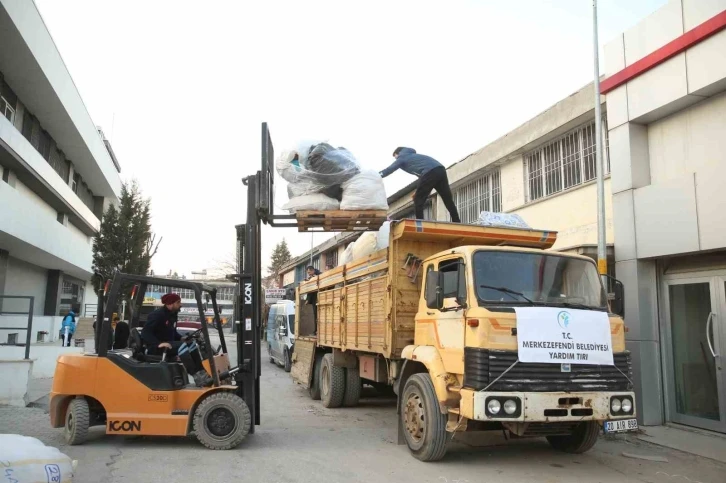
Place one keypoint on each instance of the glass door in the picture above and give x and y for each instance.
(695, 309)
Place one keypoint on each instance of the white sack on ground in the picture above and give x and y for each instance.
(312, 202)
(364, 191)
(27, 460)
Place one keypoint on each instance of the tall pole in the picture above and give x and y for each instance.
(312, 245)
(601, 248)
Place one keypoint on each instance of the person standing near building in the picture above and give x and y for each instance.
(431, 176)
(68, 328)
(312, 298)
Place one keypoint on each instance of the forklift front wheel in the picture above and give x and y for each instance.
(222, 421)
(288, 362)
(77, 421)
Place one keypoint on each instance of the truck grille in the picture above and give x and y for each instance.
(481, 366)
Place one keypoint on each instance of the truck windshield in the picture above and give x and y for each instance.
(523, 278)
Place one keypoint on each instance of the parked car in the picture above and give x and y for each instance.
(281, 333)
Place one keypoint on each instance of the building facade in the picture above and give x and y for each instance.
(58, 172)
(666, 98)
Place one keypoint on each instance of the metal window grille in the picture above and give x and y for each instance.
(482, 194)
(331, 258)
(410, 214)
(7, 110)
(566, 162)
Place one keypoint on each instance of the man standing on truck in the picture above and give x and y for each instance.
(431, 176)
(313, 296)
(159, 334)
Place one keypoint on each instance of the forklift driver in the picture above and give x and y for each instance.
(159, 333)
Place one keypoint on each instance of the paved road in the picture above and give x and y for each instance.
(300, 441)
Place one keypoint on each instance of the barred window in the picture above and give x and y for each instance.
(410, 213)
(567, 162)
(483, 194)
(331, 258)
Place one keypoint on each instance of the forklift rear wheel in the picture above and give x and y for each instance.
(78, 417)
(424, 427)
(222, 420)
(315, 383)
(332, 383)
(580, 441)
(352, 388)
(288, 362)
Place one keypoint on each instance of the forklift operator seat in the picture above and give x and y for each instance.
(136, 344)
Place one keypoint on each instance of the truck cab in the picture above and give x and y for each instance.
(517, 339)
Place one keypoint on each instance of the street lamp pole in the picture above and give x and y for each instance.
(601, 247)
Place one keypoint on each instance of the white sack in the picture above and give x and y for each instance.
(313, 202)
(384, 233)
(27, 460)
(364, 191)
(347, 255)
(364, 246)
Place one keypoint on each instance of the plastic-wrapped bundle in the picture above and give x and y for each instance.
(317, 168)
(364, 191)
(347, 255)
(510, 220)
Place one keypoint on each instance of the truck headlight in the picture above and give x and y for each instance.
(510, 407)
(494, 406)
(627, 405)
(615, 405)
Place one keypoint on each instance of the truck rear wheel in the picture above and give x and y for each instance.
(78, 418)
(222, 420)
(315, 382)
(352, 388)
(424, 427)
(332, 383)
(581, 440)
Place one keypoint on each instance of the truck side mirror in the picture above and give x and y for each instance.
(432, 294)
(617, 305)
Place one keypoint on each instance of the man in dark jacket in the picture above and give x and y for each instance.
(159, 334)
(431, 176)
(313, 296)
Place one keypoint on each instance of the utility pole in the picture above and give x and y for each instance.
(601, 247)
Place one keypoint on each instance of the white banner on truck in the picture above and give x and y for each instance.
(563, 336)
(273, 295)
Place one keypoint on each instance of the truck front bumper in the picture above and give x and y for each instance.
(545, 406)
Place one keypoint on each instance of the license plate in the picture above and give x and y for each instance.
(620, 426)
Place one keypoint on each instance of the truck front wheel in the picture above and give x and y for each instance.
(581, 440)
(332, 383)
(424, 427)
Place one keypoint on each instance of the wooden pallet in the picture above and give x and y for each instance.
(341, 220)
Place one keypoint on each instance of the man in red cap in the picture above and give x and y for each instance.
(159, 334)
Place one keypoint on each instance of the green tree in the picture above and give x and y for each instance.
(280, 257)
(125, 242)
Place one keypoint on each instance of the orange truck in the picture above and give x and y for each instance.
(475, 328)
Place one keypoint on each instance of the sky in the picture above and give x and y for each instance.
(181, 89)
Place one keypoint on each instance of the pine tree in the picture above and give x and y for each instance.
(125, 242)
(280, 257)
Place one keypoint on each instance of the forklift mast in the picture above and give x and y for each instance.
(260, 209)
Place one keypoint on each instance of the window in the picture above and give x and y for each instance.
(331, 258)
(564, 163)
(410, 214)
(454, 277)
(7, 110)
(540, 278)
(8, 100)
(483, 194)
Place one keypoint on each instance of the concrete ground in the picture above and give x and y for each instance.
(300, 441)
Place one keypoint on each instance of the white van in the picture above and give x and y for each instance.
(281, 333)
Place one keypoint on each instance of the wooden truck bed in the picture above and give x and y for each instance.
(369, 305)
